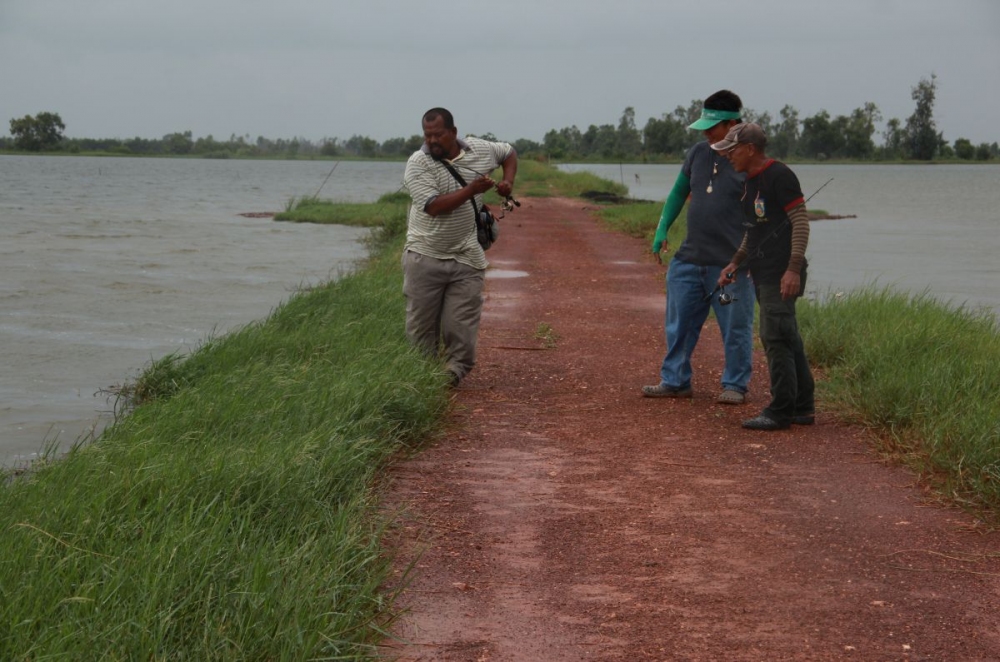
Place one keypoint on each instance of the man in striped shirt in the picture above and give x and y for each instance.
(443, 264)
(774, 248)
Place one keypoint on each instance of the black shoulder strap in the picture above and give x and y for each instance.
(458, 178)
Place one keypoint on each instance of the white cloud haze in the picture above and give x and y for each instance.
(337, 68)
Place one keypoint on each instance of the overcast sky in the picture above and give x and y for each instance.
(516, 68)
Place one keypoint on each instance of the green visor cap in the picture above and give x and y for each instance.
(710, 117)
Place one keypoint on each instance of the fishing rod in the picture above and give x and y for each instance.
(326, 180)
(508, 203)
(725, 298)
(819, 189)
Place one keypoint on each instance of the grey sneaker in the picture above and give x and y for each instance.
(731, 397)
(664, 391)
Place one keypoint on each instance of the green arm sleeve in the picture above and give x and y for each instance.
(671, 209)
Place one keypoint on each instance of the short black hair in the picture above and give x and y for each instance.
(434, 113)
(724, 100)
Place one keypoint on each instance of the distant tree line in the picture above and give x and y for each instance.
(43, 133)
(819, 137)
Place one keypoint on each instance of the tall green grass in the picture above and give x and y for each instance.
(390, 209)
(231, 515)
(924, 375)
(540, 180)
(639, 219)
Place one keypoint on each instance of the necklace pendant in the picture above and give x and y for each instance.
(709, 189)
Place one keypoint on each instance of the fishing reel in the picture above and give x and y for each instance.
(509, 203)
(725, 298)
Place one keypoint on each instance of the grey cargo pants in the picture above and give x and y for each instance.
(444, 301)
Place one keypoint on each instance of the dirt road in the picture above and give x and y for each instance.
(564, 517)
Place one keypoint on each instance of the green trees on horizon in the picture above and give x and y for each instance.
(819, 137)
(667, 137)
(38, 133)
(922, 138)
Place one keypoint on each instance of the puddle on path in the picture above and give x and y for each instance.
(505, 273)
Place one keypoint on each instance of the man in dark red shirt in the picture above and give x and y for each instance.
(773, 248)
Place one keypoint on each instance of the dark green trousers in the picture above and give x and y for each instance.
(792, 386)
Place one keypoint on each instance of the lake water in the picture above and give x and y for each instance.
(108, 263)
(918, 227)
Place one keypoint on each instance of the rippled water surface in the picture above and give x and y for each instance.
(108, 263)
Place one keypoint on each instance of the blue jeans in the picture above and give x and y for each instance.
(687, 310)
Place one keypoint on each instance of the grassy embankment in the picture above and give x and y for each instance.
(232, 512)
(923, 376)
(231, 515)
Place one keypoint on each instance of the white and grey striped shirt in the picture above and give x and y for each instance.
(450, 236)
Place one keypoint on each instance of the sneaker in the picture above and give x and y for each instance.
(764, 422)
(664, 391)
(731, 397)
(803, 419)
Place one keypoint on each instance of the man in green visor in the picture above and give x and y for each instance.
(714, 231)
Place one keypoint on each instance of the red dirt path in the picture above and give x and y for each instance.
(564, 517)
